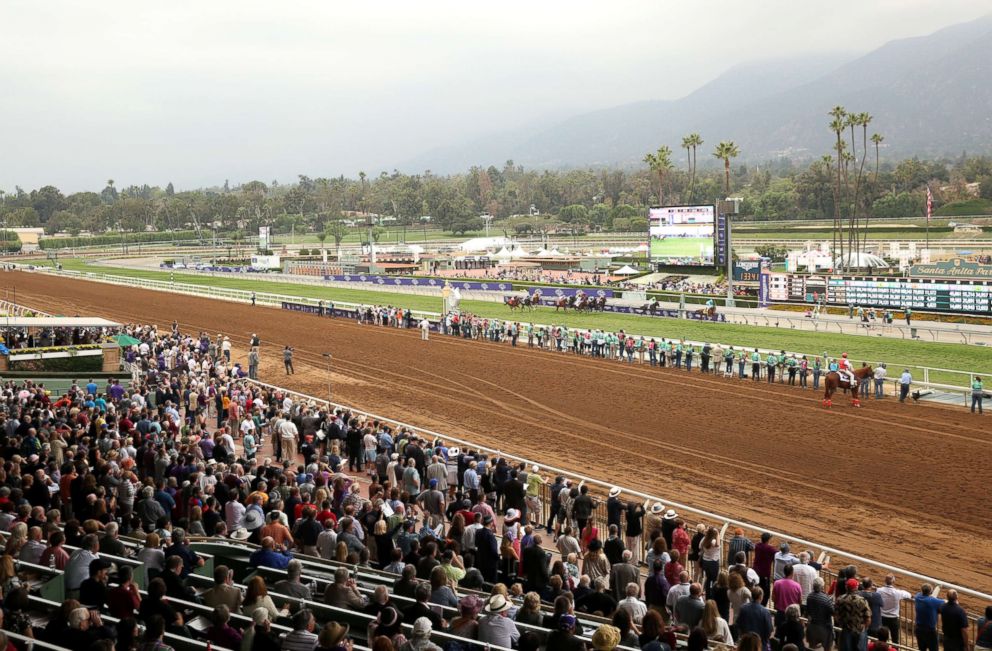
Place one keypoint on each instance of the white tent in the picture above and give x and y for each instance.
(480, 244)
(519, 252)
(626, 270)
(554, 253)
(543, 253)
(503, 254)
(864, 261)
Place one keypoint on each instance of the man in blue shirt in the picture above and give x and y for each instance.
(267, 556)
(927, 609)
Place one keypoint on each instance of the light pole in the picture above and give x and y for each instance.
(327, 356)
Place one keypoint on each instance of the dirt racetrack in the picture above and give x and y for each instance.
(905, 484)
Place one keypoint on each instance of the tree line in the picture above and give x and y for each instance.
(521, 199)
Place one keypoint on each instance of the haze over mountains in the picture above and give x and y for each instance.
(930, 96)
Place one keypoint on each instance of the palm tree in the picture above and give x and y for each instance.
(697, 141)
(862, 120)
(660, 163)
(726, 150)
(837, 126)
(877, 139)
(687, 146)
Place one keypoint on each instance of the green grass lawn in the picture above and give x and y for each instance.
(873, 349)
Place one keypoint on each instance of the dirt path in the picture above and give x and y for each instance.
(904, 484)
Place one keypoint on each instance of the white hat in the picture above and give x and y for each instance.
(512, 513)
(253, 520)
(657, 507)
(240, 534)
(670, 514)
(497, 604)
(534, 468)
(454, 452)
(394, 455)
(614, 491)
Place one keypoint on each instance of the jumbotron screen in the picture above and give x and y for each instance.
(682, 235)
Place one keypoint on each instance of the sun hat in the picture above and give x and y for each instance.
(253, 520)
(388, 616)
(497, 604)
(240, 534)
(657, 507)
(535, 468)
(614, 491)
(606, 638)
(670, 514)
(336, 632)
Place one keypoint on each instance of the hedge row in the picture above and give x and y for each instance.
(49, 243)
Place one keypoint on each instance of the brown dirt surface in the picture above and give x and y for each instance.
(903, 484)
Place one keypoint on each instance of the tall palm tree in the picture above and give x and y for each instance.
(697, 141)
(726, 150)
(877, 139)
(687, 146)
(862, 120)
(660, 163)
(837, 126)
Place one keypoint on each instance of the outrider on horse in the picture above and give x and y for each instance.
(832, 381)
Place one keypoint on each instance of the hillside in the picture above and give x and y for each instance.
(929, 95)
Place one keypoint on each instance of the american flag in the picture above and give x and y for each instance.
(929, 204)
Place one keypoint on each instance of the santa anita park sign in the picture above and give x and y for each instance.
(956, 268)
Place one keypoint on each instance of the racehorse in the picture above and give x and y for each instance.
(651, 307)
(707, 312)
(513, 302)
(598, 303)
(832, 382)
(564, 302)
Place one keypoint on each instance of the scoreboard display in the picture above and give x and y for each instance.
(940, 295)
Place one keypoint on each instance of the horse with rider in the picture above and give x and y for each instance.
(845, 377)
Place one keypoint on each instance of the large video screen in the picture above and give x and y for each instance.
(682, 235)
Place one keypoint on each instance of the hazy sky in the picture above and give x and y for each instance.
(199, 92)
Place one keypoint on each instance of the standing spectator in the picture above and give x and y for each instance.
(853, 618)
(253, 364)
(785, 593)
(425, 329)
(977, 394)
(287, 360)
(755, 618)
(905, 381)
(819, 617)
(954, 622)
(927, 608)
(764, 557)
(983, 638)
(880, 373)
(739, 543)
(891, 596)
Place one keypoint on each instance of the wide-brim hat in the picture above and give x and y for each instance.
(614, 491)
(454, 452)
(240, 534)
(497, 604)
(657, 507)
(335, 633)
(670, 514)
(253, 520)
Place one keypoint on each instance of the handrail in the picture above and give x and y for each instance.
(728, 521)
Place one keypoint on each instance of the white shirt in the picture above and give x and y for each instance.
(906, 378)
(880, 373)
(891, 596)
(635, 607)
(234, 513)
(804, 576)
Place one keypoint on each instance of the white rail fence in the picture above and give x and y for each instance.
(954, 381)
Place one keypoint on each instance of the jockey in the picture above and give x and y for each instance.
(710, 304)
(845, 369)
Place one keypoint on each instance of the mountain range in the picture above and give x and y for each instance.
(929, 95)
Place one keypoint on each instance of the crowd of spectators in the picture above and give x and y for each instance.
(193, 450)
